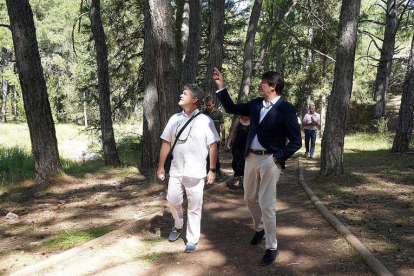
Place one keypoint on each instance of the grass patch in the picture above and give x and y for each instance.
(368, 142)
(16, 165)
(320, 193)
(129, 149)
(79, 168)
(153, 256)
(16, 159)
(71, 237)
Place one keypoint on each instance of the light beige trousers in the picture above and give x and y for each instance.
(261, 175)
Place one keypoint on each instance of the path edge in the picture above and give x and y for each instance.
(40, 266)
(374, 264)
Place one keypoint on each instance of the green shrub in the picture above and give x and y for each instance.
(16, 165)
(359, 118)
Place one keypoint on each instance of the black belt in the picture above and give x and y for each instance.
(260, 152)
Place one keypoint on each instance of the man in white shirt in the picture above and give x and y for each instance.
(188, 167)
(310, 123)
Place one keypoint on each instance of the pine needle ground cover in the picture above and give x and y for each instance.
(374, 198)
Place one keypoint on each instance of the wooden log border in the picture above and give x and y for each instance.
(374, 264)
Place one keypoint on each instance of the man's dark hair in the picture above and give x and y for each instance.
(195, 92)
(274, 78)
(209, 99)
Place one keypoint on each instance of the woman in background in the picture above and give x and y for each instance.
(237, 142)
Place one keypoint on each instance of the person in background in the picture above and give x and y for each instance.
(218, 120)
(237, 142)
(188, 167)
(310, 123)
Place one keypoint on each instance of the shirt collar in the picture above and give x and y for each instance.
(272, 102)
(182, 113)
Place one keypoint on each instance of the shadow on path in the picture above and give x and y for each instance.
(308, 244)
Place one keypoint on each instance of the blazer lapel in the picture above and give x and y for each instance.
(273, 110)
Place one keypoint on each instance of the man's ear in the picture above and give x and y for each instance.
(196, 99)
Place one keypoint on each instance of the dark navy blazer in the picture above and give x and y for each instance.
(279, 123)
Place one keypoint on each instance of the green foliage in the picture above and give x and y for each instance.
(72, 79)
(382, 125)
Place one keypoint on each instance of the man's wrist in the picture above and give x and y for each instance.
(214, 170)
(220, 89)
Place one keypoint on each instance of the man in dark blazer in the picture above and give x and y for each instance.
(272, 122)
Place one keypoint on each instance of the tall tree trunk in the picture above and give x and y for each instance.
(384, 67)
(323, 114)
(85, 115)
(108, 138)
(4, 86)
(15, 101)
(248, 52)
(216, 45)
(405, 117)
(307, 93)
(33, 85)
(182, 29)
(189, 69)
(333, 137)
(161, 82)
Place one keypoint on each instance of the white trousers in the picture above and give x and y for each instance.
(261, 175)
(193, 187)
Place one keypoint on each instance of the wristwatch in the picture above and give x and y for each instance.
(213, 170)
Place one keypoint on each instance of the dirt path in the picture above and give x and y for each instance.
(308, 244)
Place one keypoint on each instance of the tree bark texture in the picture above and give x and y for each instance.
(108, 138)
(405, 117)
(248, 52)
(34, 91)
(189, 69)
(182, 29)
(216, 45)
(333, 137)
(323, 114)
(384, 67)
(4, 86)
(161, 81)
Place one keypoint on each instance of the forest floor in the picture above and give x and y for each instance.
(374, 199)
(309, 245)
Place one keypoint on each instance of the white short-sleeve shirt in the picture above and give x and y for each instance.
(190, 152)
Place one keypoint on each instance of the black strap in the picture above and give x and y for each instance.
(181, 131)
